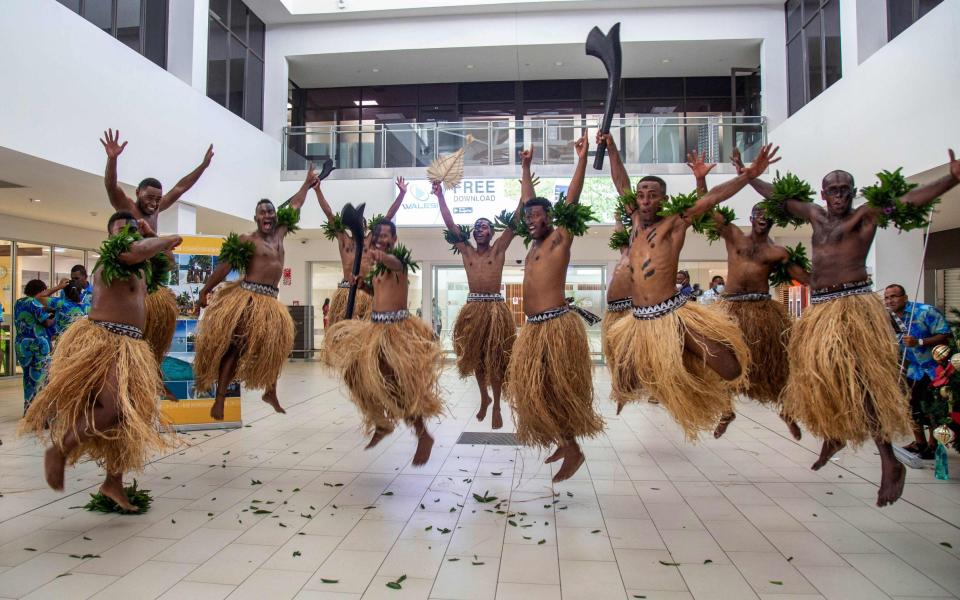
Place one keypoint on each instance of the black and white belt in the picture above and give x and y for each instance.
(121, 329)
(620, 305)
(649, 313)
(344, 284)
(554, 313)
(747, 297)
(393, 316)
(484, 297)
(260, 288)
(843, 290)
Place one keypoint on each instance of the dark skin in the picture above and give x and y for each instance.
(120, 302)
(842, 237)
(544, 278)
(266, 267)
(345, 242)
(655, 252)
(390, 294)
(484, 267)
(79, 278)
(895, 299)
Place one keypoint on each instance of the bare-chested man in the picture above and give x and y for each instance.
(335, 229)
(549, 380)
(844, 375)
(391, 362)
(100, 399)
(161, 304)
(751, 257)
(484, 333)
(247, 333)
(682, 354)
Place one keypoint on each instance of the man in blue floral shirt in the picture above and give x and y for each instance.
(920, 327)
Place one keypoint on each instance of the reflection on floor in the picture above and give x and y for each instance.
(291, 507)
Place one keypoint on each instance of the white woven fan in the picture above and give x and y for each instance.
(448, 169)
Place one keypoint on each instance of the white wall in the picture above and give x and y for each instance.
(898, 108)
(41, 232)
(65, 82)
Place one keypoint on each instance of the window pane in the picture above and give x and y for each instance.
(219, 8)
(487, 91)
(238, 19)
(899, 16)
(653, 87)
(793, 18)
(331, 97)
(831, 41)
(256, 34)
(100, 13)
(73, 5)
(438, 93)
(926, 6)
(563, 89)
(238, 55)
(795, 74)
(390, 95)
(811, 34)
(217, 63)
(155, 31)
(810, 10)
(128, 23)
(7, 298)
(253, 92)
(708, 86)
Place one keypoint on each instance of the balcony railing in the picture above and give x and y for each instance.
(641, 139)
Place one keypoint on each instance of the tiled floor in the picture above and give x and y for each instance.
(648, 517)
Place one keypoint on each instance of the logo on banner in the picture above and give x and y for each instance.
(470, 199)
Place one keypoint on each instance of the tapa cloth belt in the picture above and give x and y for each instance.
(393, 316)
(840, 291)
(484, 297)
(747, 297)
(260, 288)
(620, 305)
(343, 284)
(553, 313)
(121, 329)
(649, 313)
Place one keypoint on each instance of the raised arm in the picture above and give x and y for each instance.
(388, 260)
(618, 173)
(297, 200)
(118, 198)
(764, 188)
(725, 190)
(582, 146)
(527, 189)
(925, 194)
(700, 170)
(44, 296)
(174, 193)
(148, 248)
(324, 205)
(401, 192)
(798, 273)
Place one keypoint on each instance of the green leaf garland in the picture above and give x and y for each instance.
(779, 274)
(885, 197)
(109, 265)
(334, 226)
(160, 269)
(403, 254)
(573, 217)
(236, 252)
(289, 217)
(678, 204)
(787, 187)
(706, 225)
(620, 239)
(138, 497)
(515, 223)
(460, 236)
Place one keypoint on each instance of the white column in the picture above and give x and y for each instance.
(187, 42)
(180, 219)
(773, 79)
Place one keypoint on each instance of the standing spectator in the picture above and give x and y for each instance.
(78, 275)
(713, 294)
(683, 283)
(921, 327)
(73, 304)
(326, 312)
(34, 322)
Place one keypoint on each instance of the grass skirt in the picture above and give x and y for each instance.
(86, 356)
(844, 380)
(609, 318)
(391, 369)
(650, 360)
(766, 329)
(161, 323)
(259, 326)
(483, 338)
(549, 384)
(338, 305)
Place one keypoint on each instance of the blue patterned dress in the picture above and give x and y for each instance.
(68, 311)
(33, 344)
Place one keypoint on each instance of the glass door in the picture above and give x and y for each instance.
(6, 308)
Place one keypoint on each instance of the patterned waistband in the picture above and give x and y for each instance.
(841, 291)
(260, 288)
(620, 305)
(343, 284)
(484, 297)
(393, 316)
(649, 313)
(549, 314)
(121, 329)
(747, 297)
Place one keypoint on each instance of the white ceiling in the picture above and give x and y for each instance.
(513, 63)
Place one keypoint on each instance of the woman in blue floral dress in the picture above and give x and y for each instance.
(73, 304)
(33, 321)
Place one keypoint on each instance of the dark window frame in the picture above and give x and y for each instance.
(807, 18)
(250, 53)
(914, 16)
(162, 32)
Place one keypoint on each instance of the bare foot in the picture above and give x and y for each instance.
(482, 413)
(53, 464)
(571, 463)
(793, 427)
(216, 411)
(830, 447)
(496, 422)
(378, 435)
(113, 488)
(424, 446)
(270, 397)
(893, 477)
(555, 456)
(725, 421)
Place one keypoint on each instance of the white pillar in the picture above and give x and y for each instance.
(187, 42)
(180, 219)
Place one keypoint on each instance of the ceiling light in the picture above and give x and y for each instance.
(559, 63)
(60, 250)
(34, 199)
(665, 60)
(469, 66)
(365, 103)
(375, 70)
(289, 106)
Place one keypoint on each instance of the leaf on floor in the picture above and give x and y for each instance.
(669, 564)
